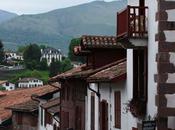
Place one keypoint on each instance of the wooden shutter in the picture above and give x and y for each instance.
(78, 119)
(117, 102)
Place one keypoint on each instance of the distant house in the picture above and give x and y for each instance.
(29, 83)
(7, 85)
(13, 55)
(51, 53)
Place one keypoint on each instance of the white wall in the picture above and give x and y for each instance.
(9, 87)
(152, 51)
(132, 121)
(107, 93)
(88, 108)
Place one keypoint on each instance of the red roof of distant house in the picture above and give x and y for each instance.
(20, 96)
(2, 94)
(116, 71)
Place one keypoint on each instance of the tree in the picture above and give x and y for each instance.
(43, 64)
(66, 65)
(32, 55)
(2, 88)
(21, 49)
(55, 68)
(2, 55)
(72, 57)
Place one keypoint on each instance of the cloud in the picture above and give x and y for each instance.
(37, 6)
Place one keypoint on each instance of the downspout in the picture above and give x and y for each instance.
(96, 92)
(99, 98)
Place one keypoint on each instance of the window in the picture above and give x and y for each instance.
(140, 74)
(117, 102)
(7, 83)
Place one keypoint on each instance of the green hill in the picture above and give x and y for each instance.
(57, 27)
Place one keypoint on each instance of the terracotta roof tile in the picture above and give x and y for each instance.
(20, 96)
(54, 109)
(80, 72)
(108, 74)
(51, 103)
(99, 41)
(28, 106)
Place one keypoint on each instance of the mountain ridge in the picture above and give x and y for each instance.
(57, 27)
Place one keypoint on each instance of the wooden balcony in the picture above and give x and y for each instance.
(132, 22)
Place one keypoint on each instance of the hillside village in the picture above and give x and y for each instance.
(124, 82)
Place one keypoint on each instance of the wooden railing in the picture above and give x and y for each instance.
(132, 22)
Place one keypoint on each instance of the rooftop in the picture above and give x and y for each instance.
(20, 96)
(27, 79)
(28, 106)
(81, 72)
(116, 71)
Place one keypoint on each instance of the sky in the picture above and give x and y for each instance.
(38, 6)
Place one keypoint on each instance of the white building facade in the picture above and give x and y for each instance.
(51, 54)
(29, 83)
(7, 85)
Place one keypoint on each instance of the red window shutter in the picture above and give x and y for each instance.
(117, 102)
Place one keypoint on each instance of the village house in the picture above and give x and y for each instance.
(29, 83)
(27, 115)
(7, 85)
(21, 96)
(74, 98)
(51, 54)
(9, 55)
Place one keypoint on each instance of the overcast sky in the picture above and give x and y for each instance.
(38, 6)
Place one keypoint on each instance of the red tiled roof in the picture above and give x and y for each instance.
(108, 74)
(99, 41)
(80, 72)
(20, 96)
(28, 106)
(2, 94)
(51, 103)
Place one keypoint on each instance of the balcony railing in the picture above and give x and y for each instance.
(132, 22)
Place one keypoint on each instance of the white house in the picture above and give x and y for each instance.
(51, 53)
(106, 98)
(7, 85)
(13, 55)
(29, 83)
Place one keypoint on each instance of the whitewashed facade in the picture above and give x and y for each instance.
(7, 85)
(29, 83)
(13, 55)
(51, 53)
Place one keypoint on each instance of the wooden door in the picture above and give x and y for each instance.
(104, 115)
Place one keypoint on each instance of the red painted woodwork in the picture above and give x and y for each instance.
(101, 57)
(104, 115)
(132, 22)
(73, 102)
